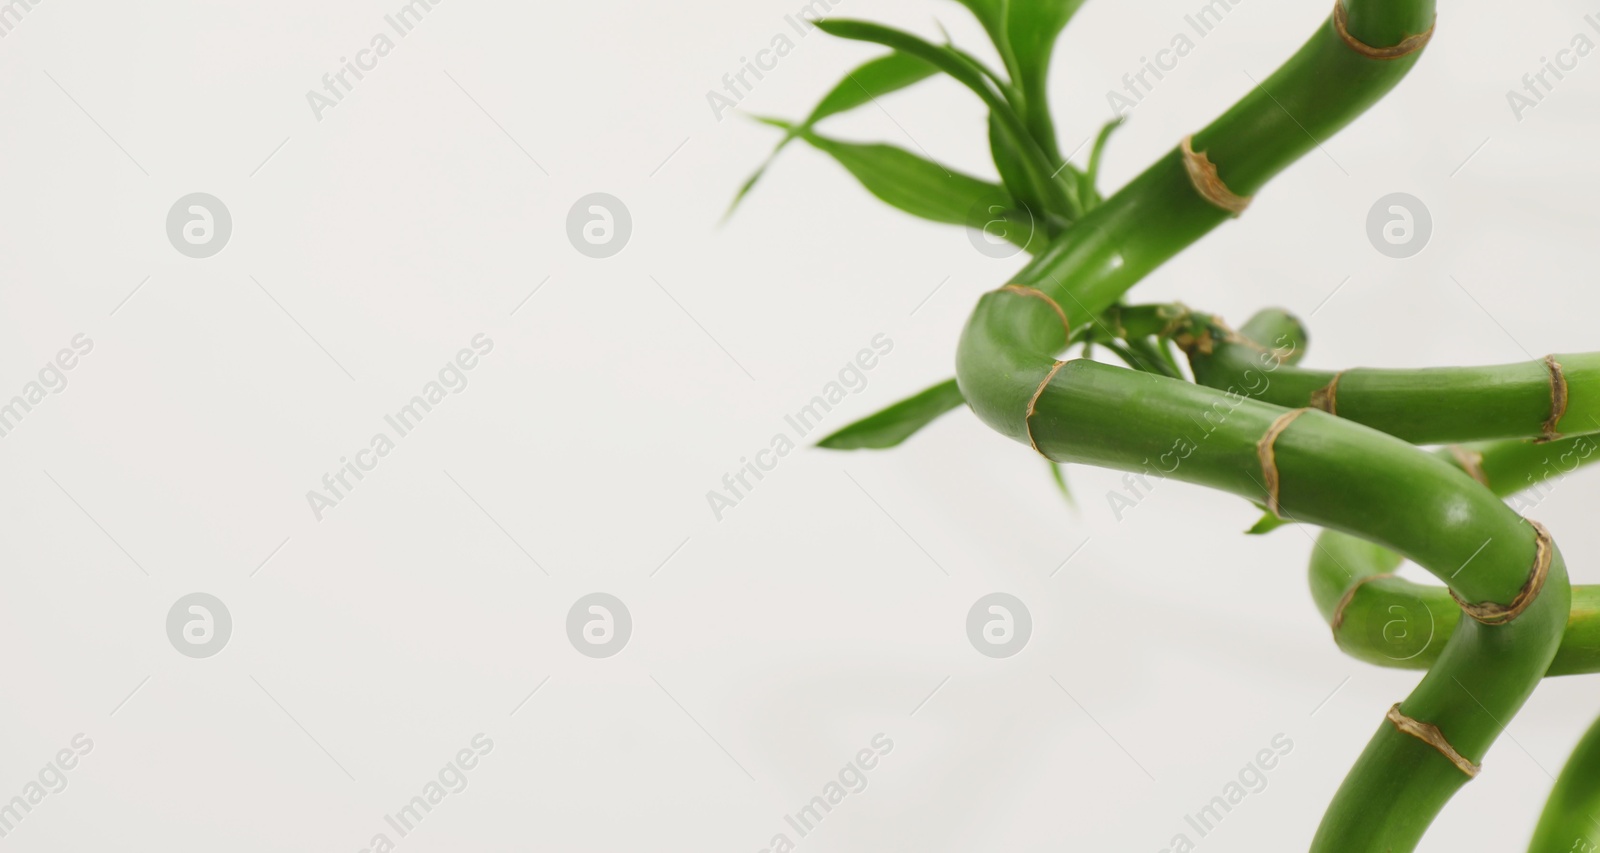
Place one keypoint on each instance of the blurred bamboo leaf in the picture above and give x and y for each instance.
(970, 73)
(922, 187)
(1025, 33)
(897, 423)
(1058, 473)
(872, 79)
(1091, 176)
(1269, 522)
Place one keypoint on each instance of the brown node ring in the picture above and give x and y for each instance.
(1407, 46)
(1471, 461)
(1494, 613)
(1326, 398)
(1033, 402)
(1558, 399)
(1269, 459)
(1203, 175)
(1036, 293)
(1349, 596)
(1429, 734)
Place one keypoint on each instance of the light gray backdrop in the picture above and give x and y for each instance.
(360, 654)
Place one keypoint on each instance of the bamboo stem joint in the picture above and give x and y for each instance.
(1269, 460)
(1429, 734)
(1203, 175)
(1494, 613)
(1407, 46)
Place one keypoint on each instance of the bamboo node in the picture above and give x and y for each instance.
(1036, 293)
(1349, 595)
(1407, 46)
(1203, 175)
(1033, 403)
(1326, 398)
(1471, 461)
(1429, 734)
(1494, 613)
(1558, 399)
(1269, 459)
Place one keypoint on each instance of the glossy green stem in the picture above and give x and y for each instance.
(1334, 473)
(1393, 622)
(1319, 90)
(1569, 823)
(1433, 405)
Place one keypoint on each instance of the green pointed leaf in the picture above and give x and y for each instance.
(1091, 176)
(1025, 33)
(971, 74)
(924, 188)
(872, 79)
(1013, 172)
(1268, 523)
(898, 422)
(1058, 473)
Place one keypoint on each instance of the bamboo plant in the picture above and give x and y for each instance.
(1339, 450)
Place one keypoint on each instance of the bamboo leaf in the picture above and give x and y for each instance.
(1058, 473)
(1268, 522)
(1091, 176)
(872, 79)
(924, 188)
(898, 422)
(972, 75)
(1025, 33)
(1013, 172)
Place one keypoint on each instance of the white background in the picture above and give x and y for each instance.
(775, 643)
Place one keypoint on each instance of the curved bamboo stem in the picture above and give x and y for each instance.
(1568, 823)
(1389, 621)
(1543, 399)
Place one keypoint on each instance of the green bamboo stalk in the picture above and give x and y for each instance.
(1568, 823)
(1393, 622)
(1435, 405)
(1323, 470)
(1319, 90)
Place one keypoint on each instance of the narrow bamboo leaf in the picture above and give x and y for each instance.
(924, 188)
(898, 422)
(1058, 473)
(872, 79)
(970, 74)
(1025, 33)
(1268, 523)
(1013, 172)
(1091, 176)
(1099, 147)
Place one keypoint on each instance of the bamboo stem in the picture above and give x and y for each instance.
(1544, 399)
